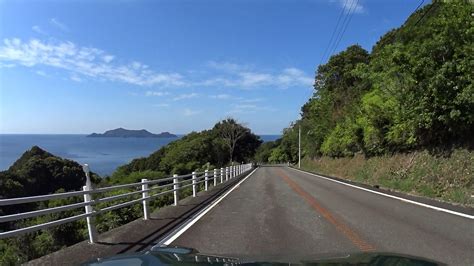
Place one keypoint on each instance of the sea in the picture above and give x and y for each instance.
(103, 155)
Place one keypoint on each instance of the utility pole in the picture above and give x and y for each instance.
(299, 146)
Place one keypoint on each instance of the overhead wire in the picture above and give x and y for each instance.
(349, 17)
(424, 14)
(333, 32)
(336, 30)
(421, 3)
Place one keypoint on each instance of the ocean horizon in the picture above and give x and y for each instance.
(103, 155)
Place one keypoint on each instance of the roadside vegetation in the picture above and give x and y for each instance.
(39, 172)
(412, 94)
(447, 178)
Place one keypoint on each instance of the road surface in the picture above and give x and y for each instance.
(281, 213)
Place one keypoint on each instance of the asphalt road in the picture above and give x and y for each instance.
(283, 214)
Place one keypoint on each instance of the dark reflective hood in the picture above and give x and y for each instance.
(187, 256)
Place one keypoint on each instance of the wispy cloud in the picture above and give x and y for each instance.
(108, 58)
(162, 105)
(6, 65)
(156, 93)
(250, 79)
(56, 23)
(246, 108)
(351, 5)
(227, 66)
(83, 62)
(41, 73)
(185, 96)
(38, 30)
(93, 63)
(190, 112)
(75, 78)
(254, 100)
(221, 96)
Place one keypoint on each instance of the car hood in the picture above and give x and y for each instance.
(189, 256)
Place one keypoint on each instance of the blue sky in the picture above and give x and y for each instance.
(178, 66)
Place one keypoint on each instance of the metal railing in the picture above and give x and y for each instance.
(146, 188)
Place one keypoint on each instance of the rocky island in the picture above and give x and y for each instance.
(127, 133)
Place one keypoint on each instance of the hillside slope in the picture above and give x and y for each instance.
(413, 93)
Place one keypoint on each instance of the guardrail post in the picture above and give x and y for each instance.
(194, 183)
(226, 174)
(176, 190)
(146, 212)
(215, 177)
(206, 179)
(222, 174)
(87, 198)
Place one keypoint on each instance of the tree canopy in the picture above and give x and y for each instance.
(196, 151)
(413, 90)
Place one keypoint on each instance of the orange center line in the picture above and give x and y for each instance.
(340, 226)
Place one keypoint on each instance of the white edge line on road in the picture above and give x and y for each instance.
(181, 229)
(391, 196)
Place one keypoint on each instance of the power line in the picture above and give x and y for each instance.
(350, 11)
(349, 17)
(333, 32)
(421, 3)
(424, 14)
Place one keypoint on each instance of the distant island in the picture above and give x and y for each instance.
(126, 133)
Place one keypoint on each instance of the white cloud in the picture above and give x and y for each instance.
(255, 100)
(3, 65)
(246, 108)
(245, 77)
(185, 96)
(108, 58)
(93, 63)
(83, 62)
(38, 30)
(75, 78)
(41, 73)
(190, 112)
(352, 6)
(227, 66)
(55, 22)
(220, 96)
(156, 93)
(162, 105)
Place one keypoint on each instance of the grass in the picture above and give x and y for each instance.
(447, 178)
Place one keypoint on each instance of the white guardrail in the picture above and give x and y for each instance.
(145, 188)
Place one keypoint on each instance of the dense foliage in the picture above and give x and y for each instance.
(414, 90)
(38, 172)
(193, 152)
